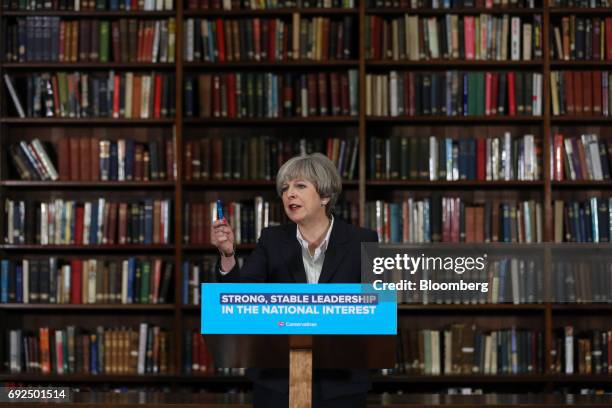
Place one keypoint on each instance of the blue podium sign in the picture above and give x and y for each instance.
(281, 308)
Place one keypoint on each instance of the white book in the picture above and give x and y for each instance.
(92, 271)
(9, 84)
(121, 159)
(99, 232)
(156, 38)
(189, 40)
(515, 38)
(569, 350)
(44, 158)
(129, 88)
(514, 276)
(435, 357)
(433, 38)
(10, 210)
(142, 347)
(65, 285)
(25, 266)
(124, 281)
(86, 222)
(168, 5)
(527, 41)
(44, 225)
(529, 157)
(393, 94)
(487, 354)
(433, 158)
(507, 156)
(51, 223)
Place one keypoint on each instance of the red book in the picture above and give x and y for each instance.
(257, 38)
(445, 220)
(609, 38)
(558, 157)
(156, 280)
(85, 152)
(411, 100)
(116, 93)
(578, 106)
(158, 94)
(141, 41)
(76, 271)
(494, 90)
(511, 95)
(312, 94)
(123, 211)
(220, 40)
(79, 223)
(481, 159)
(344, 94)
(74, 159)
(468, 28)
(322, 94)
(230, 85)
(335, 93)
(116, 35)
(597, 93)
(456, 205)
(94, 146)
(272, 40)
(63, 158)
(217, 96)
(330, 147)
(587, 96)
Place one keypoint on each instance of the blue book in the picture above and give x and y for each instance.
(148, 224)
(131, 278)
(93, 226)
(471, 168)
(113, 173)
(463, 174)
(582, 226)
(4, 272)
(426, 218)
(396, 222)
(186, 283)
(114, 5)
(212, 40)
(129, 159)
(19, 284)
(93, 358)
(502, 281)
(73, 206)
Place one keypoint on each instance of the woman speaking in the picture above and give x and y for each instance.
(314, 247)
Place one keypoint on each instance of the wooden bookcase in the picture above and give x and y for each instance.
(176, 317)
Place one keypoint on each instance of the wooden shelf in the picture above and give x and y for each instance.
(582, 184)
(85, 121)
(461, 11)
(476, 307)
(84, 185)
(454, 63)
(580, 64)
(89, 65)
(583, 307)
(231, 184)
(128, 378)
(271, 12)
(433, 120)
(209, 247)
(95, 13)
(88, 248)
(315, 120)
(454, 184)
(581, 120)
(48, 307)
(272, 64)
(579, 10)
(459, 379)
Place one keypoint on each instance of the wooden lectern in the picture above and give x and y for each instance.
(301, 354)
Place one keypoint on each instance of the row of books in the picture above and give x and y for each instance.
(480, 37)
(196, 357)
(581, 158)
(466, 349)
(34, 39)
(85, 281)
(580, 3)
(259, 158)
(255, 39)
(246, 218)
(451, 219)
(584, 352)
(454, 93)
(89, 5)
(583, 221)
(89, 159)
(145, 349)
(580, 93)
(267, 4)
(271, 95)
(582, 38)
(204, 270)
(100, 222)
(81, 94)
(445, 158)
(451, 4)
(581, 281)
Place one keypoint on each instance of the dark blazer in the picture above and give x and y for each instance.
(278, 258)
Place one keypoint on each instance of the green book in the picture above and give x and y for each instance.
(104, 40)
(145, 292)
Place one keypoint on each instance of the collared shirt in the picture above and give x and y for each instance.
(314, 263)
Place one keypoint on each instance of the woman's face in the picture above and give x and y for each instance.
(301, 200)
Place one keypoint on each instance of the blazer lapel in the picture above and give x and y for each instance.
(335, 252)
(292, 255)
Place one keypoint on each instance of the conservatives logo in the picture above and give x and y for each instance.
(281, 324)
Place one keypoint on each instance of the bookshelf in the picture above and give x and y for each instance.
(175, 316)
